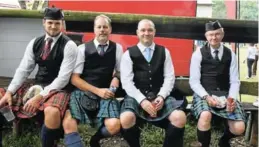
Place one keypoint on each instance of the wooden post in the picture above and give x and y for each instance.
(254, 132)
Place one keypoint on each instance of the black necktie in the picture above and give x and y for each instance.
(216, 55)
(102, 49)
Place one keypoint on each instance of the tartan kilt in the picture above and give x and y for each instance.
(56, 98)
(109, 108)
(170, 104)
(199, 105)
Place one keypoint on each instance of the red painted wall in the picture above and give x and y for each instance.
(180, 49)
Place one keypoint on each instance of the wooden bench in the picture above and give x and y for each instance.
(182, 84)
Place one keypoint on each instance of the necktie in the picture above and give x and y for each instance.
(148, 54)
(102, 49)
(46, 49)
(216, 55)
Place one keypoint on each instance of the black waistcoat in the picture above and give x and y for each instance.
(148, 77)
(98, 69)
(215, 74)
(49, 68)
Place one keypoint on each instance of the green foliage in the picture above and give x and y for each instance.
(219, 9)
(248, 9)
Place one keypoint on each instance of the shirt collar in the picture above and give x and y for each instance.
(220, 49)
(142, 47)
(96, 43)
(55, 39)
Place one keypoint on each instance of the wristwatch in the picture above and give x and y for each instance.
(205, 97)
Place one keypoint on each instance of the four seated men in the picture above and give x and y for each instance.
(147, 76)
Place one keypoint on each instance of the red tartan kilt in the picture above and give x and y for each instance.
(58, 99)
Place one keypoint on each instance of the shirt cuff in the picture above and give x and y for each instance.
(162, 95)
(44, 93)
(140, 98)
(12, 89)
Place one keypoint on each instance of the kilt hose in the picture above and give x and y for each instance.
(199, 105)
(170, 104)
(56, 98)
(108, 108)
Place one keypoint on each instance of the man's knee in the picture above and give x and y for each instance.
(112, 125)
(52, 112)
(69, 124)
(127, 119)
(205, 117)
(177, 118)
(237, 128)
(204, 120)
(52, 117)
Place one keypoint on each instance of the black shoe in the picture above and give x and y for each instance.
(224, 143)
(94, 142)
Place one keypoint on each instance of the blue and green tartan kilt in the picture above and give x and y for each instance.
(171, 104)
(199, 105)
(109, 108)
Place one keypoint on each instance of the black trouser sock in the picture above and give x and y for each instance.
(49, 136)
(173, 136)
(224, 140)
(0, 136)
(100, 134)
(132, 136)
(204, 137)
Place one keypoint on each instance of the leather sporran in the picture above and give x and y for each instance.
(90, 101)
(151, 96)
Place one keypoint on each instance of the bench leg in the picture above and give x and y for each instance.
(248, 127)
(254, 132)
(17, 128)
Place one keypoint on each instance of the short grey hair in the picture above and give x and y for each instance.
(107, 19)
(148, 21)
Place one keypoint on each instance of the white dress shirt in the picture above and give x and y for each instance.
(195, 73)
(127, 74)
(81, 56)
(251, 52)
(28, 64)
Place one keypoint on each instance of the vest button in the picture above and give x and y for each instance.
(150, 78)
(150, 85)
(146, 91)
(148, 64)
(150, 71)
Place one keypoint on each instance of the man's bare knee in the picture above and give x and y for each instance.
(204, 120)
(237, 127)
(177, 118)
(127, 119)
(52, 117)
(69, 124)
(112, 125)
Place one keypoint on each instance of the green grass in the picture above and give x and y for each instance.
(151, 136)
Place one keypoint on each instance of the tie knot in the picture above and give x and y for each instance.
(102, 45)
(148, 49)
(216, 51)
(49, 40)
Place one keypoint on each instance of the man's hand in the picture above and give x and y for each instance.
(211, 101)
(7, 98)
(32, 104)
(148, 107)
(158, 103)
(105, 93)
(231, 104)
(115, 82)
